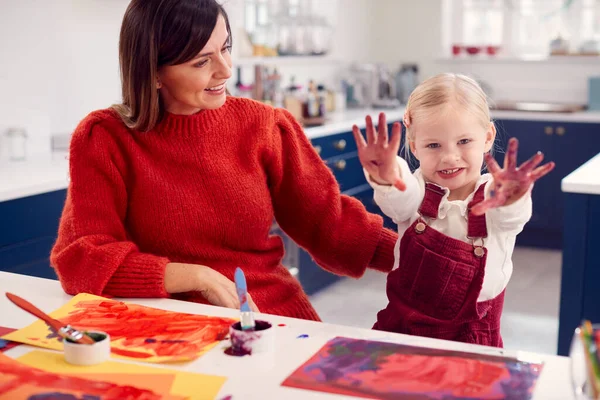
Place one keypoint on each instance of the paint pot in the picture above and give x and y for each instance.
(259, 340)
(88, 354)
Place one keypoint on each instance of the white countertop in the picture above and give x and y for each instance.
(32, 177)
(585, 179)
(260, 376)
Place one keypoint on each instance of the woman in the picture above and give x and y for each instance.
(177, 186)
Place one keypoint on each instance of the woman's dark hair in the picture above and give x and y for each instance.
(157, 33)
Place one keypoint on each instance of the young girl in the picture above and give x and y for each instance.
(456, 227)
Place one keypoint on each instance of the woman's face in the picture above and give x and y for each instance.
(199, 83)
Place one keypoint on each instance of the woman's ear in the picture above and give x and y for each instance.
(490, 137)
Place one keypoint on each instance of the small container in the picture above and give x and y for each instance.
(88, 354)
(17, 141)
(259, 340)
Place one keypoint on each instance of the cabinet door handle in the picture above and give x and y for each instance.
(340, 165)
(340, 144)
(560, 131)
(548, 130)
(318, 149)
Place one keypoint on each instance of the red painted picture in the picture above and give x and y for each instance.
(21, 382)
(6, 345)
(136, 332)
(382, 370)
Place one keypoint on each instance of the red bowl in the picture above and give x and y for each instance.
(492, 50)
(473, 49)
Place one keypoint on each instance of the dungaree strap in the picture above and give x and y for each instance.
(477, 225)
(431, 201)
(430, 206)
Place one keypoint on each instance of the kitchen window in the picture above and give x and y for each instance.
(521, 28)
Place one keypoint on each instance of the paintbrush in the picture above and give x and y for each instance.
(586, 335)
(65, 331)
(247, 316)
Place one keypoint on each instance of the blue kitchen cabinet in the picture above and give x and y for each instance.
(340, 154)
(567, 144)
(29, 229)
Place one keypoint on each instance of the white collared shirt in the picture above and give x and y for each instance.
(503, 223)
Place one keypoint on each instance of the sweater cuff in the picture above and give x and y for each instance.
(140, 275)
(383, 259)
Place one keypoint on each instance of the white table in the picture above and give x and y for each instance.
(260, 376)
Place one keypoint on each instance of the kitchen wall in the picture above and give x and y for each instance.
(406, 31)
(60, 59)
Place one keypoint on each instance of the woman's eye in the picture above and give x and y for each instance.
(433, 145)
(464, 141)
(201, 64)
(227, 49)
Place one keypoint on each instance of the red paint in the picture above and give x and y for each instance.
(6, 345)
(281, 325)
(19, 375)
(174, 334)
(129, 353)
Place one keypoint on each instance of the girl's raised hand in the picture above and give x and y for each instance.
(511, 182)
(378, 154)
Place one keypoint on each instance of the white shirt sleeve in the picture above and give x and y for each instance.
(399, 206)
(512, 218)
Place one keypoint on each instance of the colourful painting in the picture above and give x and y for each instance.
(160, 380)
(6, 345)
(137, 332)
(381, 370)
(21, 382)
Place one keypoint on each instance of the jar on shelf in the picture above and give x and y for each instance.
(16, 144)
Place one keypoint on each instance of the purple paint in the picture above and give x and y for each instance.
(242, 341)
(227, 397)
(303, 336)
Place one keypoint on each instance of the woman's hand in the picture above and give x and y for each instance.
(510, 182)
(378, 155)
(214, 286)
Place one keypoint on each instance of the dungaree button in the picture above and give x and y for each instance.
(420, 227)
(479, 252)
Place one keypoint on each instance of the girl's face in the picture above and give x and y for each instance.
(450, 149)
(199, 83)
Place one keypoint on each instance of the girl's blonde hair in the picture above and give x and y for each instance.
(445, 89)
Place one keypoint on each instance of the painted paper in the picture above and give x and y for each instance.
(382, 370)
(188, 384)
(6, 345)
(22, 382)
(136, 332)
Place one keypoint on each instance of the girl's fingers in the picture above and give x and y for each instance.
(382, 137)
(358, 137)
(533, 162)
(492, 164)
(370, 131)
(541, 171)
(394, 143)
(510, 159)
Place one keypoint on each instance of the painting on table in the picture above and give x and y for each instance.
(136, 332)
(21, 382)
(383, 370)
(193, 386)
(6, 345)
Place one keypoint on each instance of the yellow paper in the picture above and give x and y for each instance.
(137, 332)
(188, 384)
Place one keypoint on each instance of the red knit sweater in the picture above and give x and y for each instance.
(204, 189)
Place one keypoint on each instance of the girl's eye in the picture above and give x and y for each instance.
(433, 145)
(201, 64)
(464, 141)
